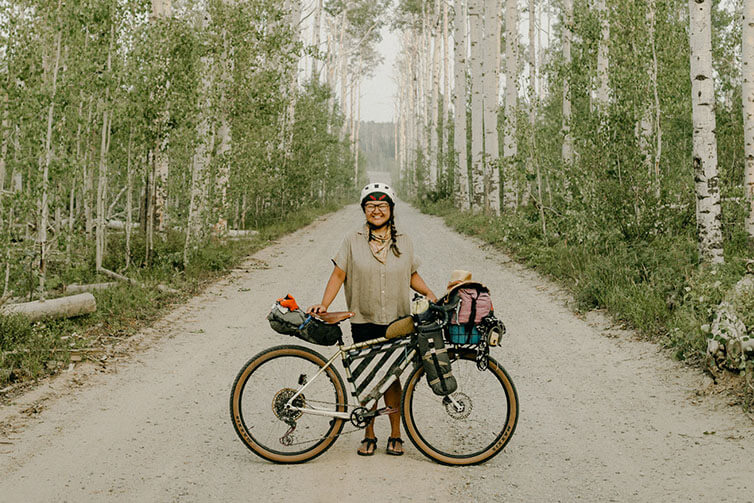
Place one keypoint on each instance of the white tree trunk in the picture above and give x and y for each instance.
(316, 38)
(4, 148)
(491, 87)
(747, 93)
(44, 213)
(533, 162)
(433, 131)
(567, 150)
(161, 9)
(657, 111)
(225, 138)
(459, 108)
(129, 199)
(102, 181)
(603, 64)
(704, 142)
(477, 105)
(445, 147)
(510, 146)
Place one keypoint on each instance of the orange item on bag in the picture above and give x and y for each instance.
(289, 302)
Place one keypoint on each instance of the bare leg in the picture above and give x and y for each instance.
(368, 433)
(393, 400)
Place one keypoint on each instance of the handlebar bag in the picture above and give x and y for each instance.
(436, 362)
(295, 322)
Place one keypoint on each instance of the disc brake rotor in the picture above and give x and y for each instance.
(460, 411)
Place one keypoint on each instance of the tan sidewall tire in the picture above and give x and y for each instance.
(507, 430)
(235, 402)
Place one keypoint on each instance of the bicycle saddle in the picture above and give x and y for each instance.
(335, 317)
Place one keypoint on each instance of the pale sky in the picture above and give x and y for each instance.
(379, 92)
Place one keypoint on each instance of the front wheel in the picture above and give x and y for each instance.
(259, 395)
(471, 425)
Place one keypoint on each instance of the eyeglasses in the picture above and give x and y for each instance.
(371, 207)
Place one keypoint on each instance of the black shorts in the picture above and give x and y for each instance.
(366, 331)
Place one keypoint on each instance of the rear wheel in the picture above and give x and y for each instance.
(263, 387)
(473, 424)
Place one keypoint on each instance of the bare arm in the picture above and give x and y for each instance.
(418, 284)
(336, 280)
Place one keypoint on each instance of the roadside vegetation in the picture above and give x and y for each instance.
(153, 145)
(654, 286)
(31, 350)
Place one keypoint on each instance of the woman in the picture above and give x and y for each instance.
(377, 266)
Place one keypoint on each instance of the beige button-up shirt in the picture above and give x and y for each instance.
(378, 293)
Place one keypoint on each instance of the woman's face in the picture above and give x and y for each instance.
(377, 213)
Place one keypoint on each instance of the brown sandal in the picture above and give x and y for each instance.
(392, 450)
(371, 442)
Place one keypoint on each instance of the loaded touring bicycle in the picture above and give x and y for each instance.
(289, 403)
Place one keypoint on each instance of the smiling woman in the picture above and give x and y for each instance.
(377, 266)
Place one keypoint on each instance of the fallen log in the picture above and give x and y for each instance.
(62, 307)
(235, 233)
(120, 277)
(93, 287)
(119, 225)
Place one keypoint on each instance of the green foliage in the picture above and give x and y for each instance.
(653, 285)
(24, 349)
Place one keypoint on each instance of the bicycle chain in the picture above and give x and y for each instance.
(348, 432)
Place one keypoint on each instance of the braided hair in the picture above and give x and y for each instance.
(393, 235)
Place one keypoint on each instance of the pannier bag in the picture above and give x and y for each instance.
(436, 363)
(472, 304)
(287, 318)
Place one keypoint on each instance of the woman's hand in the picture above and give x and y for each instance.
(432, 298)
(316, 309)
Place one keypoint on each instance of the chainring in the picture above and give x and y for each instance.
(278, 405)
(359, 417)
(461, 399)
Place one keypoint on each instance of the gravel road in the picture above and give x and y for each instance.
(604, 417)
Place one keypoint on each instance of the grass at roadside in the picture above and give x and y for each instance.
(28, 351)
(655, 286)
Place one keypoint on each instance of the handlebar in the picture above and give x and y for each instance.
(429, 321)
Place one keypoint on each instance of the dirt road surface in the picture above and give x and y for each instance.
(604, 417)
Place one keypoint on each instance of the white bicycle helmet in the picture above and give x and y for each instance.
(374, 188)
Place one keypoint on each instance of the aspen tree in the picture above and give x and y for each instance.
(433, 106)
(52, 75)
(491, 86)
(161, 10)
(747, 93)
(567, 149)
(224, 136)
(445, 91)
(532, 161)
(510, 146)
(708, 213)
(477, 105)
(459, 107)
(102, 180)
(316, 38)
(603, 63)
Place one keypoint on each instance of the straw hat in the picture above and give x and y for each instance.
(460, 278)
